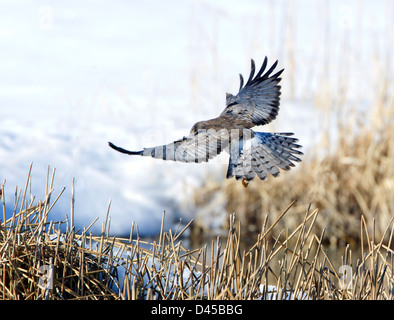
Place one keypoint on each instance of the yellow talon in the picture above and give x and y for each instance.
(245, 183)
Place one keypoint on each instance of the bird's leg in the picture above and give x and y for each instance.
(245, 183)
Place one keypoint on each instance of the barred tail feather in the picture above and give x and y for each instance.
(268, 152)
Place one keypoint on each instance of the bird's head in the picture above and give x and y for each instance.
(195, 128)
(230, 99)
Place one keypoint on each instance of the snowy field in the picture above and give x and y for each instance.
(77, 74)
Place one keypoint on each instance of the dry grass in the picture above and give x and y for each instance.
(295, 265)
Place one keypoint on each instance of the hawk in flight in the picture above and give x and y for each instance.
(251, 153)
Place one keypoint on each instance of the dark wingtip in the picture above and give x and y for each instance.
(124, 150)
(263, 66)
(252, 71)
(241, 79)
(261, 76)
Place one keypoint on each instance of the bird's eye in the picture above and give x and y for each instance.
(232, 104)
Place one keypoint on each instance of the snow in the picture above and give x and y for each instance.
(272, 293)
(75, 75)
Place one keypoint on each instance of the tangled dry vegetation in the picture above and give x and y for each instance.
(40, 261)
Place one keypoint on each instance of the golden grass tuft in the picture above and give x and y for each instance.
(293, 264)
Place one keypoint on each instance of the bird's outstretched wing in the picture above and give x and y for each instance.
(197, 147)
(258, 101)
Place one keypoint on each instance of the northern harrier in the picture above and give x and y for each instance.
(251, 152)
